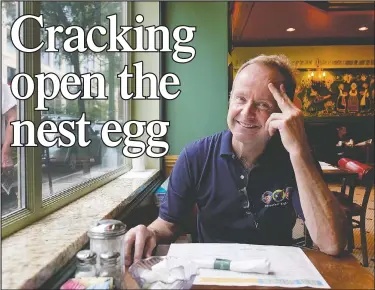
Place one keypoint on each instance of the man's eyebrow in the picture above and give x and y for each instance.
(238, 92)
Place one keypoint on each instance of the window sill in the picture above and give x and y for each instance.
(32, 255)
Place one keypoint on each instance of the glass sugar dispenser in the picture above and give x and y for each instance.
(86, 264)
(108, 236)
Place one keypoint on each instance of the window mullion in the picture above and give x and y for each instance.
(29, 164)
(33, 174)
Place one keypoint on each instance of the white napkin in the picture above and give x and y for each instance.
(258, 265)
(168, 271)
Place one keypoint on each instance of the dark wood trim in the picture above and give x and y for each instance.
(162, 69)
(243, 14)
(332, 7)
(230, 46)
(305, 42)
(343, 119)
(230, 11)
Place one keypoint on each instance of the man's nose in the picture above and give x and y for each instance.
(250, 108)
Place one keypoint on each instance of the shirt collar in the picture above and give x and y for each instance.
(226, 144)
(273, 147)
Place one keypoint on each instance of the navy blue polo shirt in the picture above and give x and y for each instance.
(209, 174)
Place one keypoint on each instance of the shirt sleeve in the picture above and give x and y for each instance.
(179, 200)
(297, 204)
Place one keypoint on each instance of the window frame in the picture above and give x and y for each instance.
(30, 158)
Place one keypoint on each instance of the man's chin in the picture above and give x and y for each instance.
(250, 137)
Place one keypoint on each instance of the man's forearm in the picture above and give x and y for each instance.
(165, 232)
(324, 218)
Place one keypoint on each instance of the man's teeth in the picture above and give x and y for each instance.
(248, 125)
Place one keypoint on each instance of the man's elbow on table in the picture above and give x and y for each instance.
(336, 245)
(332, 250)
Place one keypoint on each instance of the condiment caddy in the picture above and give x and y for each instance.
(103, 265)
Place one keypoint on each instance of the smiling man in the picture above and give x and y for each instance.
(250, 182)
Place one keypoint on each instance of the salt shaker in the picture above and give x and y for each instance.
(108, 236)
(110, 266)
(86, 264)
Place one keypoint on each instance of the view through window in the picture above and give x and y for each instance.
(11, 200)
(66, 168)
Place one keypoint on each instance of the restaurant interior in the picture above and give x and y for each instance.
(331, 47)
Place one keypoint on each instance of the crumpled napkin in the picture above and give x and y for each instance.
(170, 270)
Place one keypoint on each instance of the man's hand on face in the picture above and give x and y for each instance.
(143, 240)
(289, 122)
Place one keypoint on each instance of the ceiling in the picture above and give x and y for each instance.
(333, 22)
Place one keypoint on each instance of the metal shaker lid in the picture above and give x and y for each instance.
(109, 257)
(86, 256)
(107, 229)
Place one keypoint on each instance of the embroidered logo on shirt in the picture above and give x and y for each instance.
(278, 197)
(267, 197)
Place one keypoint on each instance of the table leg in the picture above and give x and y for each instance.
(350, 235)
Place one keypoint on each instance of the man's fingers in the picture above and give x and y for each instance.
(139, 245)
(274, 116)
(129, 242)
(138, 241)
(277, 95)
(286, 97)
(275, 125)
(150, 245)
(272, 131)
(280, 97)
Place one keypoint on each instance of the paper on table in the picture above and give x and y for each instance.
(327, 166)
(290, 267)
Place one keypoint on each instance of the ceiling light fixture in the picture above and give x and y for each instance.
(290, 29)
(363, 28)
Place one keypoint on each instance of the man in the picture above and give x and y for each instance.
(9, 114)
(344, 145)
(343, 137)
(238, 178)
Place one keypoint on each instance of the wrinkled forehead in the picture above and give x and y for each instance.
(255, 79)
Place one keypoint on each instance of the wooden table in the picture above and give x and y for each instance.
(343, 272)
(348, 178)
(330, 170)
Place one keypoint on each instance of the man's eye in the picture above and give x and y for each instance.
(240, 99)
(264, 106)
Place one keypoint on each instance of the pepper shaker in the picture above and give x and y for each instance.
(110, 266)
(86, 264)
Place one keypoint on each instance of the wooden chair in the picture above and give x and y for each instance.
(365, 177)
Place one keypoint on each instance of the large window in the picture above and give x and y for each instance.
(47, 178)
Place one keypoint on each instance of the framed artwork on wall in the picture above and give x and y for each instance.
(335, 92)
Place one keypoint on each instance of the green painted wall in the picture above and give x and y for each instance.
(201, 108)
(140, 109)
